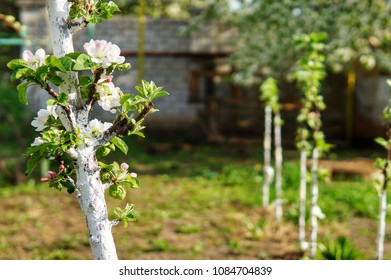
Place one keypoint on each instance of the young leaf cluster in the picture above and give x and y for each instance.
(118, 179)
(309, 72)
(92, 11)
(269, 94)
(125, 215)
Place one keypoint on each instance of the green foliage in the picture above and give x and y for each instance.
(383, 180)
(263, 46)
(269, 94)
(92, 11)
(341, 249)
(118, 178)
(125, 215)
(309, 72)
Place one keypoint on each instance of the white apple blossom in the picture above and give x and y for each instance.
(103, 52)
(97, 127)
(109, 96)
(38, 141)
(34, 60)
(43, 115)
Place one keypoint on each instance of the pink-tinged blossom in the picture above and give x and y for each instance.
(61, 167)
(109, 96)
(103, 52)
(133, 174)
(44, 179)
(105, 79)
(51, 174)
(124, 166)
(43, 115)
(34, 60)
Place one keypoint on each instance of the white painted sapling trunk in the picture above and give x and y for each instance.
(278, 164)
(303, 198)
(90, 190)
(315, 209)
(268, 169)
(382, 225)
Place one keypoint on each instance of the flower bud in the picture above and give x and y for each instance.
(44, 179)
(51, 174)
(88, 6)
(124, 166)
(109, 79)
(62, 167)
(133, 174)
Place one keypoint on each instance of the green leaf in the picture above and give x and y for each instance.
(73, 55)
(54, 62)
(85, 81)
(120, 144)
(32, 163)
(56, 80)
(22, 88)
(69, 186)
(17, 63)
(20, 73)
(117, 192)
(160, 94)
(62, 98)
(84, 62)
(67, 62)
(123, 67)
(102, 152)
(382, 142)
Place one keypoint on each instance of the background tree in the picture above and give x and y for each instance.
(270, 92)
(358, 33)
(309, 73)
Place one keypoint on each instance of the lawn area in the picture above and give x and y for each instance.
(195, 202)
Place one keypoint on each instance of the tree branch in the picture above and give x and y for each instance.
(121, 127)
(66, 109)
(91, 95)
(74, 26)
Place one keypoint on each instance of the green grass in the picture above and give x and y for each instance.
(190, 202)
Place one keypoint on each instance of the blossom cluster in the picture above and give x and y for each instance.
(101, 52)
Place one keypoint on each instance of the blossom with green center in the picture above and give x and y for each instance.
(103, 52)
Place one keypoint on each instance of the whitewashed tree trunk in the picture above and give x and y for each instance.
(303, 197)
(382, 225)
(268, 169)
(278, 164)
(314, 203)
(89, 188)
